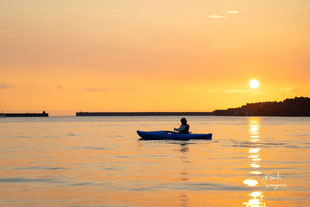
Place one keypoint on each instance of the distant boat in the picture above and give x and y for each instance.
(43, 114)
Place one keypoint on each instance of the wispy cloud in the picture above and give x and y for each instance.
(242, 91)
(216, 16)
(95, 89)
(223, 16)
(115, 10)
(6, 86)
(292, 90)
(106, 89)
(30, 85)
(59, 87)
(209, 90)
(199, 90)
(232, 12)
(6, 33)
(235, 91)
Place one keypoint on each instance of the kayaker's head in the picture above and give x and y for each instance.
(183, 121)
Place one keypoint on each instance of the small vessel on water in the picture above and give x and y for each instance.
(169, 135)
(43, 114)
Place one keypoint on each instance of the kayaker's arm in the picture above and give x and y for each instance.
(180, 129)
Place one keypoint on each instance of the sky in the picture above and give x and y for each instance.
(64, 56)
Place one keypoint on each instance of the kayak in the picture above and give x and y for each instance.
(168, 135)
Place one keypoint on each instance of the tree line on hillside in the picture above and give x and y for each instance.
(298, 106)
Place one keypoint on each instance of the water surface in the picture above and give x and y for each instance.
(99, 161)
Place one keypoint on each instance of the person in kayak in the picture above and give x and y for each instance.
(184, 128)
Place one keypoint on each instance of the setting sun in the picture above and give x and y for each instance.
(254, 83)
(154, 103)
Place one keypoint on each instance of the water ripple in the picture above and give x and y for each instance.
(24, 180)
(40, 168)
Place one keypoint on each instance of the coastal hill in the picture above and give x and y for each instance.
(298, 106)
(289, 107)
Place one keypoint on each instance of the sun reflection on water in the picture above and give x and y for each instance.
(250, 182)
(256, 197)
(256, 200)
(254, 150)
(256, 172)
(255, 165)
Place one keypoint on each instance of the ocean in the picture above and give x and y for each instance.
(100, 161)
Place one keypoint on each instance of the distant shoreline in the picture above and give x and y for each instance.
(128, 114)
(87, 114)
(297, 107)
(144, 114)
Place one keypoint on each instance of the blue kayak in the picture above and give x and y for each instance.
(168, 135)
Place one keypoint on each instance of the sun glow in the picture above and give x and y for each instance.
(254, 83)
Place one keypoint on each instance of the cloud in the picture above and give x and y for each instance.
(31, 85)
(95, 89)
(59, 87)
(292, 90)
(6, 33)
(220, 16)
(232, 12)
(209, 90)
(115, 10)
(6, 86)
(287, 90)
(235, 91)
(215, 16)
(199, 90)
(105, 89)
(242, 91)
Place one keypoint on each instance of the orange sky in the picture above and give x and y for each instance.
(76, 55)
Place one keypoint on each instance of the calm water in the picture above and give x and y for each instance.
(99, 161)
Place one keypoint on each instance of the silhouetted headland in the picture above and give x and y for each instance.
(298, 106)
(289, 107)
(43, 114)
